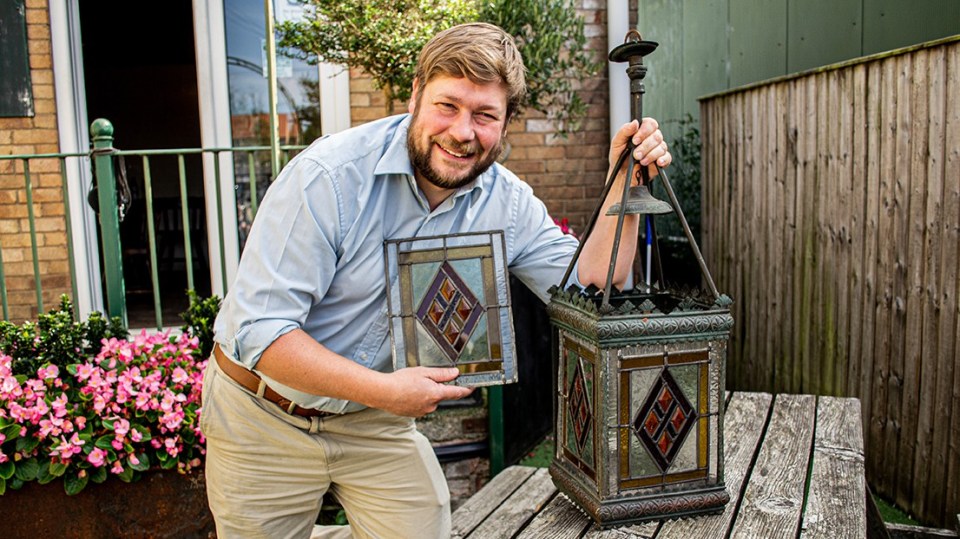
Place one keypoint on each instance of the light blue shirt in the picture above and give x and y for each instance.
(314, 258)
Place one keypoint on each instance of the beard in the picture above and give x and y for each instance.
(420, 151)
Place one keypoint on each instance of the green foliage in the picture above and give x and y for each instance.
(57, 338)
(551, 39)
(382, 37)
(199, 318)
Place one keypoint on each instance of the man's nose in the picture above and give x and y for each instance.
(462, 128)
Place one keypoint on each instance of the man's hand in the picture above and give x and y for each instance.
(649, 147)
(416, 391)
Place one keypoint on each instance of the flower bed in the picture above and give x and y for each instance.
(134, 406)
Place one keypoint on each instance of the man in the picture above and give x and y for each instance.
(301, 396)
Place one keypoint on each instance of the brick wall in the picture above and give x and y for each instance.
(37, 134)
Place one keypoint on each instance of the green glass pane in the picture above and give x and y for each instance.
(686, 458)
(640, 382)
(687, 377)
(469, 270)
(478, 347)
(422, 277)
(427, 350)
(588, 448)
(641, 464)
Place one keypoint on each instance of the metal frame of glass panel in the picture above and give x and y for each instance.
(448, 303)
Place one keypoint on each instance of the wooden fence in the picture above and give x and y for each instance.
(831, 214)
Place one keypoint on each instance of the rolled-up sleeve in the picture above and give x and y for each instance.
(287, 265)
(541, 251)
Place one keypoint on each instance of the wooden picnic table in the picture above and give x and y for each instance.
(773, 446)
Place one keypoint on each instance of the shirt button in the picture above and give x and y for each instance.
(363, 355)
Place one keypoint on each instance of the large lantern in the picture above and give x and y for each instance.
(640, 385)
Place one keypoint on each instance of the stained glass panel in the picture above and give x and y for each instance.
(578, 437)
(664, 416)
(449, 305)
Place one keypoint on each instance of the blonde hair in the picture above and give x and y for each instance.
(479, 51)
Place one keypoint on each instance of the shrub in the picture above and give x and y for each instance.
(199, 318)
(56, 338)
(133, 406)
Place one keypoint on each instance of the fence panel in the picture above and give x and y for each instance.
(831, 212)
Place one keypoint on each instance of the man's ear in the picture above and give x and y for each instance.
(412, 105)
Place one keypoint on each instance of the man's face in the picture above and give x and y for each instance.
(456, 131)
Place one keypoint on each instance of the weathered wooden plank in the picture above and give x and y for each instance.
(752, 128)
(879, 427)
(742, 362)
(857, 289)
(871, 230)
(843, 222)
(836, 500)
(558, 520)
(744, 421)
(474, 510)
(517, 509)
(900, 238)
(644, 530)
(808, 159)
(825, 290)
(774, 495)
(914, 358)
(914, 274)
(795, 237)
(787, 141)
(776, 166)
(941, 256)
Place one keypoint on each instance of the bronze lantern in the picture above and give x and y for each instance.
(640, 385)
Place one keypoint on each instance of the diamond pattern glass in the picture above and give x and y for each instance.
(448, 305)
(664, 420)
(580, 408)
(449, 311)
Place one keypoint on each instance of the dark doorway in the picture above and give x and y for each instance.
(140, 73)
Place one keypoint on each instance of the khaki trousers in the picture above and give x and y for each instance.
(267, 470)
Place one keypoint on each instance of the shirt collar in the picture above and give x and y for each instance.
(396, 160)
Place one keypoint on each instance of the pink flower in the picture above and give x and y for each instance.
(134, 460)
(180, 376)
(121, 427)
(135, 435)
(48, 373)
(3, 457)
(97, 457)
(117, 468)
(84, 371)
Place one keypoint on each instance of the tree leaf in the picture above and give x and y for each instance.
(98, 475)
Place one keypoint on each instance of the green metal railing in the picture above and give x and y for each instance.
(105, 159)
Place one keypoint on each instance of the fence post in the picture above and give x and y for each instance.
(101, 131)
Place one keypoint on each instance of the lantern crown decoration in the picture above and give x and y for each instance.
(639, 422)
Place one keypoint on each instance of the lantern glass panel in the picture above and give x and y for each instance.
(579, 398)
(449, 306)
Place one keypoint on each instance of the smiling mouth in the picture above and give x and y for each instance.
(458, 154)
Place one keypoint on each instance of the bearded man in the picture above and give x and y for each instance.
(301, 396)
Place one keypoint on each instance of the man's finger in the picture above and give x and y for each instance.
(441, 374)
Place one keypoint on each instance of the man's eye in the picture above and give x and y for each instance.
(447, 106)
(487, 118)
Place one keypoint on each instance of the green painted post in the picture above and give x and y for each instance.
(101, 131)
(497, 442)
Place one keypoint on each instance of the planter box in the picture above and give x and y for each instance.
(160, 504)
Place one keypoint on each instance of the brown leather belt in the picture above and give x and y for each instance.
(251, 382)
